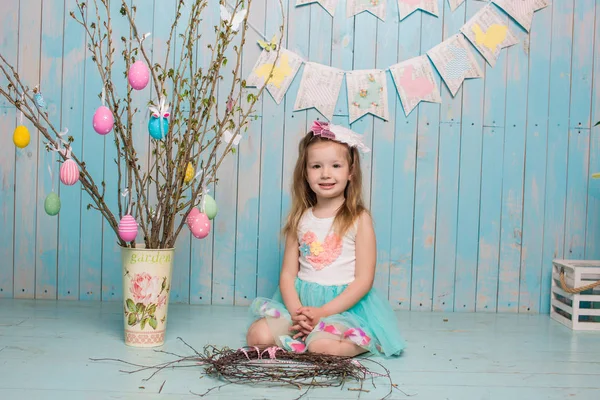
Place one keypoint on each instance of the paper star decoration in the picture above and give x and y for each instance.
(522, 10)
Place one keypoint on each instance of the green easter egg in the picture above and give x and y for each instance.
(210, 207)
(52, 204)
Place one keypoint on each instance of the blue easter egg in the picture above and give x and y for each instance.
(154, 127)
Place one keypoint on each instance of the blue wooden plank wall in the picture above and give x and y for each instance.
(472, 198)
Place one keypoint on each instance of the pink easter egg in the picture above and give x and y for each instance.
(69, 172)
(103, 120)
(198, 223)
(138, 75)
(128, 228)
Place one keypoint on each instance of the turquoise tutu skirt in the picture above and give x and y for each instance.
(370, 323)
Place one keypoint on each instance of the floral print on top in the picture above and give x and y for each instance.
(320, 254)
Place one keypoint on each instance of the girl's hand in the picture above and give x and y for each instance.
(314, 314)
(301, 326)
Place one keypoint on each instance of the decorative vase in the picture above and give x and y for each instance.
(146, 287)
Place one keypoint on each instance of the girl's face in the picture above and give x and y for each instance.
(327, 169)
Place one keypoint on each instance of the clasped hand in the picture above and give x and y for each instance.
(305, 319)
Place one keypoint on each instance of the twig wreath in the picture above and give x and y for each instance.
(273, 366)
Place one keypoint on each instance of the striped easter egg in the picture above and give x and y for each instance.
(69, 172)
(128, 228)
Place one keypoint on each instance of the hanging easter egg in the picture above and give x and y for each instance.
(210, 206)
(21, 136)
(154, 127)
(198, 223)
(128, 228)
(189, 173)
(138, 75)
(103, 120)
(69, 172)
(52, 204)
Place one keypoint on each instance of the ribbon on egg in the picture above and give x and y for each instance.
(126, 193)
(57, 146)
(161, 111)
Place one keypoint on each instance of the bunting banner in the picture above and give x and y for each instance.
(328, 5)
(455, 62)
(489, 33)
(522, 10)
(414, 79)
(415, 82)
(287, 66)
(454, 4)
(375, 7)
(407, 7)
(367, 93)
(319, 88)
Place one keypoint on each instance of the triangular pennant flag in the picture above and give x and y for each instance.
(415, 82)
(455, 62)
(375, 7)
(522, 10)
(286, 68)
(319, 88)
(407, 7)
(367, 93)
(328, 5)
(489, 33)
(454, 4)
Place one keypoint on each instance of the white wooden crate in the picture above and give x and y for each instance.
(579, 311)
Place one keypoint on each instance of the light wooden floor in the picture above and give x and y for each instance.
(45, 348)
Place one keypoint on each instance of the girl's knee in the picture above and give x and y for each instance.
(335, 348)
(259, 334)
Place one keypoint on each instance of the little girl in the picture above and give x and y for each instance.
(325, 302)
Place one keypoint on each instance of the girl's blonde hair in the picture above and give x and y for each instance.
(303, 197)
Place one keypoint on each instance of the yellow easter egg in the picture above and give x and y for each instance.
(21, 136)
(189, 173)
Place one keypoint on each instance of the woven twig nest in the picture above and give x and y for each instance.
(272, 366)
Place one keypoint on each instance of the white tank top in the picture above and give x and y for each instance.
(325, 258)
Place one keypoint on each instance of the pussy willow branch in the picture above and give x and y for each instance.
(24, 102)
(216, 64)
(185, 140)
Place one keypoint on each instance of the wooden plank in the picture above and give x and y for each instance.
(404, 166)
(296, 122)
(9, 19)
(112, 273)
(592, 251)
(558, 123)
(249, 167)
(535, 162)
(365, 26)
(201, 265)
(180, 280)
(69, 220)
(51, 69)
(469, 187)
(490, 211)
(448, 173)
(579, 127)
(515, 123)
(93, 145)
(26, 159)
(382, 184)
(224, 226)
(426, 179)
(269, 225)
